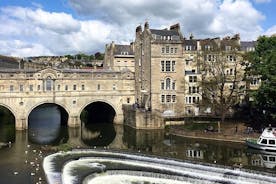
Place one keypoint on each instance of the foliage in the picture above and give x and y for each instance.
(81, 56)
(99, 56)
(221, 81)
(263, 63)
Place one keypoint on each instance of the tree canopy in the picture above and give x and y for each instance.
(222, 81)
(263, 63)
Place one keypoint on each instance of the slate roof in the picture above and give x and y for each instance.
(190, 42)
(164, 32)
(248, 43)
(119, 49)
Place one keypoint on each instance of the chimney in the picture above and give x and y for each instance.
(175, 27)
(191, 36)
(139, 29)
(146, 26)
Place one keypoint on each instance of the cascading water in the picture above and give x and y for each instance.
(104, 166)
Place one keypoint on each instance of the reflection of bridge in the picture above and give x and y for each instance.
(21, 91)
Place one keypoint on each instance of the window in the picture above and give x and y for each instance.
(163, 50)
(11, 88)
(227, 48)
(173, 66)
(38, 87)
(193, 89)
(171, 50)
(230, 58)
(58, 87)
(231, 71)
(74, 87)
(168, 66)
(162, 66)
(128, 100)
(272, 159)
(192, 78)
(168, 98)
(173, 98)
(99, 87)
(264, 141)
(82, 87)
(162, 85)
(271, 142)
(114, 87)
(254, 81)
(175, 50)
(168, 83)
(66, 87)
(188, 47)
(31, 87)
(207, 47)
(167, 49)
(210, 57)
(21, 88)
(162, 98)
(173, 85)
(49, 83)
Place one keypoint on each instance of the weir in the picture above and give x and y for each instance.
(99, 166)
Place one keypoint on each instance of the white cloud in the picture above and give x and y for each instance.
(39, 32)
(205, 18)
(271, 31)
(27, 32)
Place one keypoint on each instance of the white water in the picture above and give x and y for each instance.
(126, 179)
(195, 171)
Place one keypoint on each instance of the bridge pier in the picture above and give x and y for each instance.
(74, 121)
(119, 119)
(21, 123)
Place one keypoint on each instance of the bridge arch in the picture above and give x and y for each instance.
(46, 124)
(64, 111)
(103, 107)
(47, 102)
(9, 108)
(7, 124)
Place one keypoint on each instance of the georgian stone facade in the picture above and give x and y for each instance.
(159, 73)
(21, 91)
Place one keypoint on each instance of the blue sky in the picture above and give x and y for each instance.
(59, 27)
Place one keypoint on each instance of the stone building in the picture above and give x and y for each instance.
(159, 69)
(119, 57)
(169, 67)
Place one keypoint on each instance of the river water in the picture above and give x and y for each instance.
(20, 161)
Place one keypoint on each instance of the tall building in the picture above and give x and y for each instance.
(169, 68)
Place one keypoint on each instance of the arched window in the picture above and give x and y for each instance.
(49, 84)
(168, 83)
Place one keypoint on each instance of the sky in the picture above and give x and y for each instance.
(60, 27)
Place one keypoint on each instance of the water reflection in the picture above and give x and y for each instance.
(143, 140)
(45, 126)
(154, 142)
(7, 126)
(263, 159)
(97, 134)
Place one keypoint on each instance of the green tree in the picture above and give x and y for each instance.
(263, 63)
(99, 56)
(221, 82)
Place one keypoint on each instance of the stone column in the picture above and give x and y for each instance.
(21, 123)
(74, 121)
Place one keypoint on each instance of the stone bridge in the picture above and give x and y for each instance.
(21, 91)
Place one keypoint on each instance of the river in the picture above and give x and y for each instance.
(20, 161)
